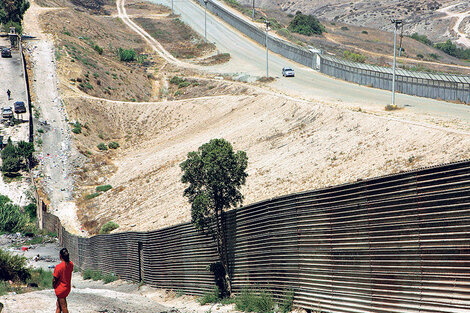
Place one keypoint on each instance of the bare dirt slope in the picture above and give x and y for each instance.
(292, 146)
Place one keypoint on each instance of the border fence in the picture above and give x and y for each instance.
(392, 244)
(436, 86)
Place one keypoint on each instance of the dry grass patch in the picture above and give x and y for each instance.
(176, 37)
(87, 58)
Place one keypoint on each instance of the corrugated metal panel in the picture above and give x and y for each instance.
(393, 244)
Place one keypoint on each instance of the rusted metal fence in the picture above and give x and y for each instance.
(392, 244)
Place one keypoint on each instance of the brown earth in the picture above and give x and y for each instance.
(292, 146)
(78, 35)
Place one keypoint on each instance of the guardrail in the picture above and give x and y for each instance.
(430, 85)
(393, 244)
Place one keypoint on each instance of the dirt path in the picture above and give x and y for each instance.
(463, 37)
(57, 153)
(155, 45)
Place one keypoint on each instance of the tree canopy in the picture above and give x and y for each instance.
(12, 11)
(214, 174)
(306, 25)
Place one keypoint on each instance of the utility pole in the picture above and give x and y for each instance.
(397, 24)
(172, 10)
(205, 20)
(253, 9)
(401, 40)
(267, 50)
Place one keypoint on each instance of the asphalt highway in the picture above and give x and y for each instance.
(249, 59)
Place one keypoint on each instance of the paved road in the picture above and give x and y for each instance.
(12, 77)
(249, 57)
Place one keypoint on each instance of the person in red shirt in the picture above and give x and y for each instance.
(62, 281)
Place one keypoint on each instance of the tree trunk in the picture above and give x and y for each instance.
(222, 250)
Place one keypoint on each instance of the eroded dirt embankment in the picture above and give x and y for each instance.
(292, 146)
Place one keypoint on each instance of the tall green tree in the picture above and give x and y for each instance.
(214, 175)
(12, 11)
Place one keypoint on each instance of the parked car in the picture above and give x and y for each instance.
(19, 107)
(288, 72)
(7, 112)
(6, 53)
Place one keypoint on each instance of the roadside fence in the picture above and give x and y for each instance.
(430, 85)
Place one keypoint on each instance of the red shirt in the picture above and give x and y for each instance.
(63, 273)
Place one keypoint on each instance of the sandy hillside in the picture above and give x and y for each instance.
(292, 146)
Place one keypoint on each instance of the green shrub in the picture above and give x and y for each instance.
(254, 301)
(113, 145)
(13, 267)
(344, 28)
(287, 302)
(102, 146)
(12, 219)
(452, 49)
(175, 80)
(98, 49)
(109, 278)
(422, 38)
(77, 128)
(419, 55)
(127, 55)
(30, 209)
(365, 32)
(103, 188)
(184, 84)
(92, 195)
(306, 25)
(434, 56)
(210, 297)
(92, 274)
(11, 165)
(41, 278)
(354, 57)
(108, 227)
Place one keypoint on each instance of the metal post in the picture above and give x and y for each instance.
(172, 10)
(396, 22)
(267, 50)
(205, 20)
(253, 9)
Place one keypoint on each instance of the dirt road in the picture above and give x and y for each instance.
(57, 156)
(464, 38)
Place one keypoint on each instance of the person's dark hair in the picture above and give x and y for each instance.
(64, 254)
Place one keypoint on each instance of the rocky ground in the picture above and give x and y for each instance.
(420, 16)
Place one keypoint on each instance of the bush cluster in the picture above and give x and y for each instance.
(127, 55)
(108, 227)
(250, 300)
(306, 25)
(354, 57)
(102, 146)
(77, 128)
(16, 156)
(447, 47)
(98, 275)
